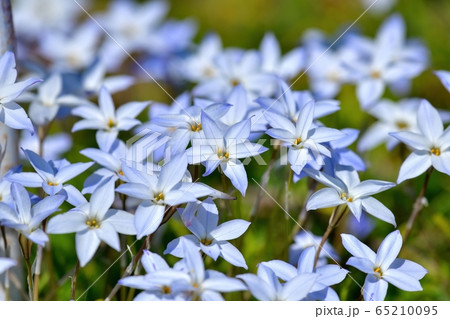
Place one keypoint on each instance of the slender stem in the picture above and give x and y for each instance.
(418, 205)
(5, 239)
(287, 190)
(337, 215)
(225, 190)
(74, 281)
(30, 279)
(303, 215)
(264, 181)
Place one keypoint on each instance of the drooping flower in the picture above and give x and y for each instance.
(383, 267)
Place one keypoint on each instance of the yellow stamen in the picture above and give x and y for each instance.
(376, 74)
(222, 155)
(402, 125)
(196, 127)
(52, 184)
(298, 141)
(345, 197)
(120, 173)
(378, 272)
(159, 197)
(111, 123)
(436, 151)
(93, 223)
(235, 82)
(166, 290)
(206, 241)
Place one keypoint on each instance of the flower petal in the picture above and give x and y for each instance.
(389, 250)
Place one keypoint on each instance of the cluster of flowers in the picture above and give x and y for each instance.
(237, 97)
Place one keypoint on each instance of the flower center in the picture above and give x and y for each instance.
(196, 127)
(93, 223)
(375, 74)
(52, 184)
(120, 173)
(222, 154)
(234, 82)
(378, 272)
(344, 196)
(206, 241)
(166, 290)
(297, 141)
(435, 151)
(111, 123)
(159, 197)
(402, 125)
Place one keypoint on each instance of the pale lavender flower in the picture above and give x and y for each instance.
(383, 267)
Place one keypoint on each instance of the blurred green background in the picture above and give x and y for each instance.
(243, 24)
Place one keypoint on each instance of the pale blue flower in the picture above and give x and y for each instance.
(26, 219)
(53, 147)
(392, 117)
(11, 113)
(224, 149)
(304, 138)
(46, 103)
(345, 188)
(73, 50)
(199, 66)
(383, 267)
(265, 286)
(235, 67)
(188, 279)
(110, 158)
(328, 275)
(132, 25)
(158, 190)
(160, 282)
(286, 66)
(94, 222)
(343, 156)
(52, 176)
(95, 77)
(389, 60)
(187, 126)
(210, 238)
(431, 147)
(105, 118)
(305, 239)
(290, 103)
